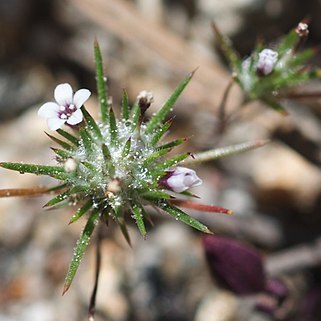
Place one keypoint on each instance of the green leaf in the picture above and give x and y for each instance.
(74, 140)
(106, 152)
(61, 153)
(125, 107)
(101, 84)
(60, 142)
(172, 144)
(160, 132)
(227, 49)
(80, 249)
(126, 148)
(226, 151)
(287, 43)
(123, 228)
(112, 127)
(134, 116)
(274, 105)
(139, 218)
(185, 218)
(93, 127)
(59, 198)
(155, 195)
(87, 141)
(109, 166)
(90, 166)
(150, 158)
(157, 119)
(81, 211)
(301, 57)
(172, 161)
(53, 171)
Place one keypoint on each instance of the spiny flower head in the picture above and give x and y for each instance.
(267, 73)
(114, 167)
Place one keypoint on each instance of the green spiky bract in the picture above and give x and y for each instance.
(112, 168)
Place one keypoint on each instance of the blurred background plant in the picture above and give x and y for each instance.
(151, 45)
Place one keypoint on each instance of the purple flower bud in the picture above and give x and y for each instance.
(266, 62)
(236, 266)
(180, 179)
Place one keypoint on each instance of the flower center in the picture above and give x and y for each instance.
(66, 111)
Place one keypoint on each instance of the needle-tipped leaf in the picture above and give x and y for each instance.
(106, 152)
(172, 161)
(53, 171)
(63, 154)
(60, 142)
(124, 105)
(123, 228)
(80, 249)
(301, 57)
(93, 127)
(87, 140)
(274, 105)
(155, 195)
(74, 140)
(90, 166)
(112, 127)
(139, 218)
(127, 146)
(155, 155)
(134, 116)
(182, 216)
(201, 207)
(287, 43)
(81, 211)
(226, 151)
(227, 49)
(160, 132)
(59, 198)
(158, 118)
(101, 84)
(172, 144)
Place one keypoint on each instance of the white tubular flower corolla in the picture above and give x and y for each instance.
(266, 61)
(180, 179)
(66, 109)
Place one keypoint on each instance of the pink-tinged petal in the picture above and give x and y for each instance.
(180, 179)
(236, 266)
(48, 110)
(81, 97)
(63, 94)
(55, 123)
(75, 118)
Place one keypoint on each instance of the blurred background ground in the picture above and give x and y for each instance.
(152, 44)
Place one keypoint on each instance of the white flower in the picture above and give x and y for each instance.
(266, 61)
(180, 179)
(66, 109)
